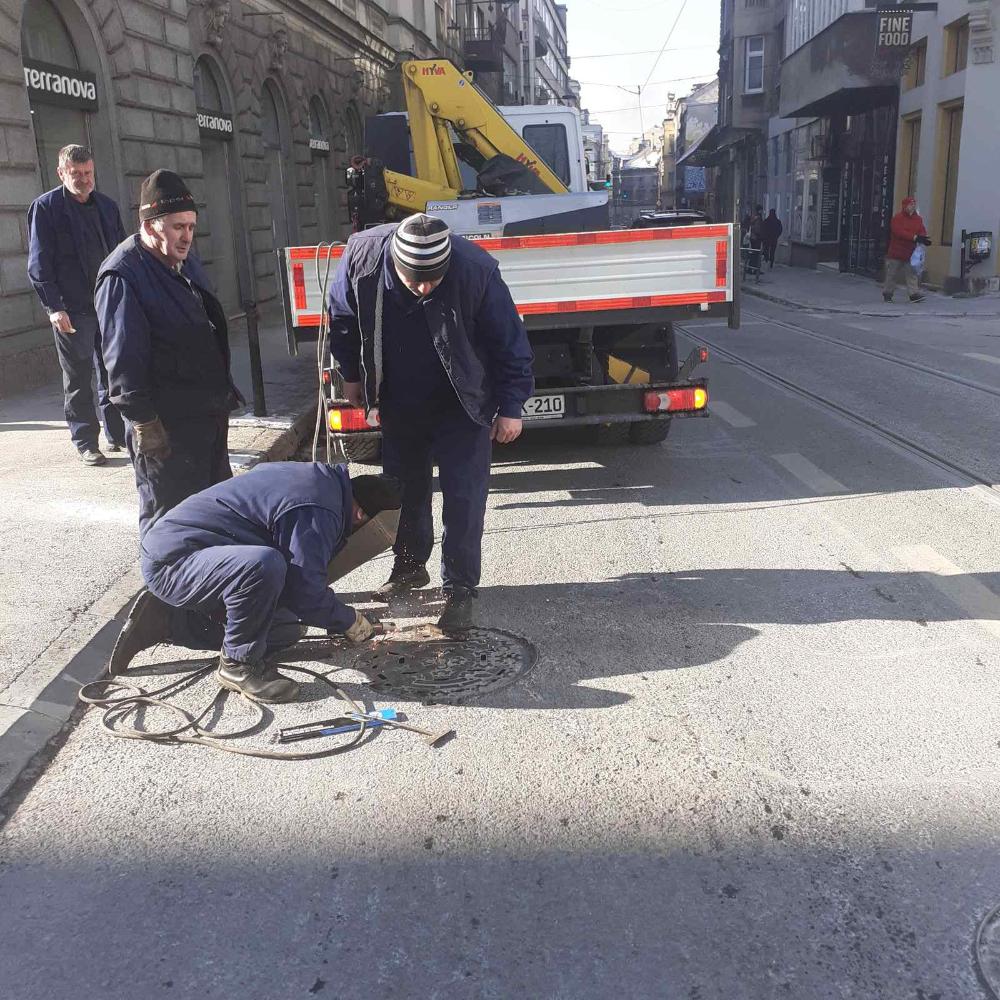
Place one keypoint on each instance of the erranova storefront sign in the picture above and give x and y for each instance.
(319, 145)
(51, 84)
(213, 124)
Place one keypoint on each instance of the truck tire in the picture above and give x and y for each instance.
(649, 431)
(365, 451)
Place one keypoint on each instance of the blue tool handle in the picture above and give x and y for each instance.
(352, 728)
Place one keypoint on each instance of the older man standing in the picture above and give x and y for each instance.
(906, 230)
(167, 352)
(423, 326)
(71, 229)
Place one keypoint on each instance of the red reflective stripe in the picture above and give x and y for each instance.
(307, 319)
(721, 263)
(602, 238)
(309, 253)
(299, 285)
(635, 302)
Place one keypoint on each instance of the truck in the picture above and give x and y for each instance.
(599, 304)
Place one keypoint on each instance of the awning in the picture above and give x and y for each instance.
(712, 148)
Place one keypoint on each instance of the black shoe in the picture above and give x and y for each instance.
(148, 623)
(114, 448)
(917, 298)
(92, 456)
(457, 615)
(256, 681)
(886, 296)
(404, 577)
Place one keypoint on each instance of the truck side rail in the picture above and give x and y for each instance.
(629, 275)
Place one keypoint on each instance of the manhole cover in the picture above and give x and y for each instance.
(988, 950)
(422, 664)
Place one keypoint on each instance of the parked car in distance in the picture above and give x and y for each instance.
(675, 217)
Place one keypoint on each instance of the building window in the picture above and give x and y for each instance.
(788, 152)
(754, 64)
(774, 155)
(951, 140)
(956, 47)
(909, 149)
(549, 142)
(754, 3)
(916, 67)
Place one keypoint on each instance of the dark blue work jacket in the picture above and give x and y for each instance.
(473, 323)
(301, 509)
(165, 343)
(56, 252)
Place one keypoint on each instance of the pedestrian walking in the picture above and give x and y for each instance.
(771, 230)
(906, 233)
(166, 349)
(424, 328)
(234, 565)
(71, 229)
(757, 228)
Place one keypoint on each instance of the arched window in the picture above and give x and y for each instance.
(276, 134)
(45, 38)
(319, 146)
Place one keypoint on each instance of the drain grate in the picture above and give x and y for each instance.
(422, 664)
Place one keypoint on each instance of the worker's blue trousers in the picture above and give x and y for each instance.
(411, 445)
(240, 582)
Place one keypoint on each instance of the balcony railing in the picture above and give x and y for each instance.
(482, 48)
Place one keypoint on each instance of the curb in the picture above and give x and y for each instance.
(38, 707)
(861, 311)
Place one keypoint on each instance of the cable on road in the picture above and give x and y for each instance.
(121, 699)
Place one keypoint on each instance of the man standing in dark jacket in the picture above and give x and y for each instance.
(71, 229)
(424, 328)
(241, 551)
(167, 352)
(771, 228)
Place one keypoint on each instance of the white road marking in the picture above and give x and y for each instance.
(820, 315)
(980, 603)
(813, 476)
(859, 326)
(983, 357)
(729, 414)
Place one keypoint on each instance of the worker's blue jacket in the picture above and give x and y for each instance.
(301, 509)
(55, 249)
(164, 337)
(473, 321)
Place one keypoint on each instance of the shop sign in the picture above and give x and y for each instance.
(893, 31)
(694, 179)
(829, 205)
(210, 123)
(318, 145)
(72, 88)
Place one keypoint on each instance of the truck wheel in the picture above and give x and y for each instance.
(366, 451)
(649, 431)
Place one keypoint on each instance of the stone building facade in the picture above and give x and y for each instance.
(257, 105)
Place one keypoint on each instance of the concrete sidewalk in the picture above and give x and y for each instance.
(69, 534)
(826, 290)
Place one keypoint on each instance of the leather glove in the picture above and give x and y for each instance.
(151, 439)
(362, 630)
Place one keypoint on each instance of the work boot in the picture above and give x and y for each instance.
(887, 296)
(114, 447)
(92, 456)
(256, 681)
(404, 577)
(457, 614)
(917, 298)
(148, 623)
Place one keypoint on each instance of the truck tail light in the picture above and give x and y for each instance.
(351, 418)
(327, 376)
(669, 400)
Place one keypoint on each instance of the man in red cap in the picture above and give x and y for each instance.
(905, 231)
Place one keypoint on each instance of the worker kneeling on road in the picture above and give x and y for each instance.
(248, 552)
(423, 327)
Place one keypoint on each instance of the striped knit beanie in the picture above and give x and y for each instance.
(421, 248)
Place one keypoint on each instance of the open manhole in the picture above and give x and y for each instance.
(423, 664)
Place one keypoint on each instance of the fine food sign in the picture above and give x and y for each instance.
(893, 31)
(72, 88)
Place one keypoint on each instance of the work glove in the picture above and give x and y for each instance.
(362, 630)
(151, 439)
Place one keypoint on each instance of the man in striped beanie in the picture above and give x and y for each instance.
(423, 327)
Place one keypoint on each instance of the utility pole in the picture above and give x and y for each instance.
(638, 94)
(531, 52)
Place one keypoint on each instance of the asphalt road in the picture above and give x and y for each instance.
(758, 757)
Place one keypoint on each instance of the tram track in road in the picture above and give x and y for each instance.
(874, 352)
(958, 474)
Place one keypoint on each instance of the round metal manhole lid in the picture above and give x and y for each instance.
(987, 950)
(423, 664)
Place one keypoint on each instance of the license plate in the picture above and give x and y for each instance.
(548, 407)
